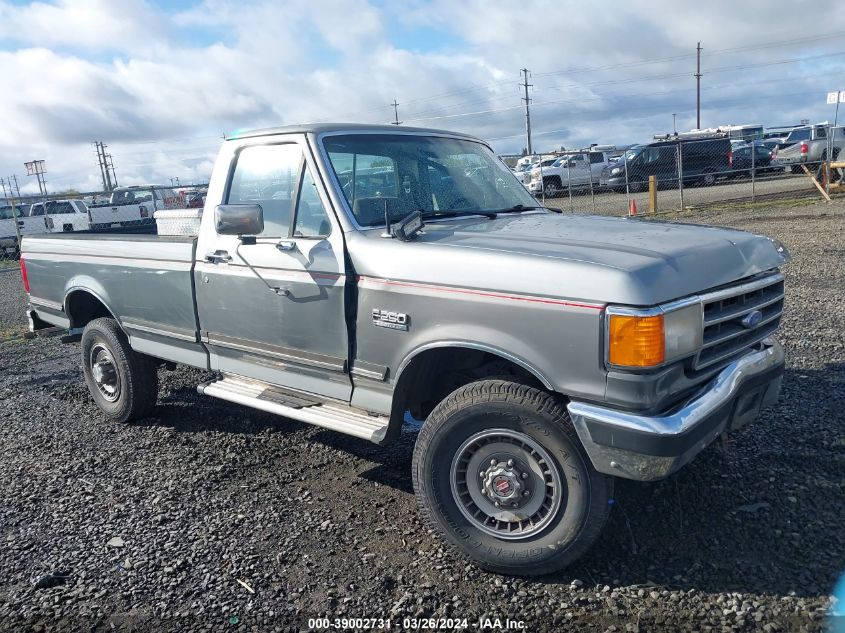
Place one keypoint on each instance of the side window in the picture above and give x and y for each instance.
(267, 175)
(59, 208)
(821, 132)
(36, 210)
(651, 155)
(596, 157)
(311, 217)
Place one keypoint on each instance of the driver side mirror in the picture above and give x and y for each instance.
(238, 219)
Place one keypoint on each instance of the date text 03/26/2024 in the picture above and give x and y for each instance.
(414, 624)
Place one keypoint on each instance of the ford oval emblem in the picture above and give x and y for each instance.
(752, 319)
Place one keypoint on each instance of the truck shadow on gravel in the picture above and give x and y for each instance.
(756, 514)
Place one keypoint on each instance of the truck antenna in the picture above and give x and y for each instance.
(387, 232)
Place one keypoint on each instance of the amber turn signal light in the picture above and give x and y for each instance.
(636, 341)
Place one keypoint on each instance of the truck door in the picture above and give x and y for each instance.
(292, 333)
(579, 171)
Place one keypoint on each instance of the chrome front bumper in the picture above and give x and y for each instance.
(651, 447)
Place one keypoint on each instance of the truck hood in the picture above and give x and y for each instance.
(590, 258)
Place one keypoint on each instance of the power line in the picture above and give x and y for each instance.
(621, 81)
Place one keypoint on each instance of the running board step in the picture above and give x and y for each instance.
(297, 406)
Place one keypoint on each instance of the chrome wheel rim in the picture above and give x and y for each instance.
(506, 484)
(104, 372)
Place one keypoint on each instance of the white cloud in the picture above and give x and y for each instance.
(129, 73)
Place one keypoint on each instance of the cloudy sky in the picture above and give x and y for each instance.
(161, 81)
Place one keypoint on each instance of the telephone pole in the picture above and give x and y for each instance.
(110, 165)
(698, 86)
(106, 166)
(527, 85)
(36, 168)
(396, 120)
(100, 163)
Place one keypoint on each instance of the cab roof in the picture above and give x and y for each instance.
(352, 128)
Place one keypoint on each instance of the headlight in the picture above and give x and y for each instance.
(615, 171)
(652, 337)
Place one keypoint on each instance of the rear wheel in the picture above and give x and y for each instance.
(500, 473)
(708, 178)
(123, 383)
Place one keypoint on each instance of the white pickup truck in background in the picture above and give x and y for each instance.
(133, 206)
(61, 216)
(26, 226)
(575, 171)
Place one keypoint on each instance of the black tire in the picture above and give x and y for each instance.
(128, 388)
(636, 184)
(570, 525)
(551, 187)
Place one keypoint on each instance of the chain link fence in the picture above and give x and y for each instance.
(674, 173)
(126, 209)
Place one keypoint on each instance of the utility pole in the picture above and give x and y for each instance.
(14, 206)
(674, 127)
(110, 165)
(18, 189)
(36, 168)
(527, 85)
(396, 120)
(100, 163)
(698, 86)
(106, 166)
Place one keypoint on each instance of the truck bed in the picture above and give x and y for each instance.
(145, 281)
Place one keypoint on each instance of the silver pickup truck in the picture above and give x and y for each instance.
(348, 276)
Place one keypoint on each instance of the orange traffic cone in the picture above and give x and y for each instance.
(632, 207)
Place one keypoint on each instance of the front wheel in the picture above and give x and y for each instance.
(123, 383)
(500, 473)
(551, 188)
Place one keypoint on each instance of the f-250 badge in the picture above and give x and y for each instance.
(391, 320)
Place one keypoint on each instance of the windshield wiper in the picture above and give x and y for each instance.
(456, 214)
(517, 208)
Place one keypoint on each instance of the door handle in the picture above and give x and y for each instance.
(286, 245)
(217, 257)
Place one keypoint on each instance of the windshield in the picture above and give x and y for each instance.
(6, 212)
(630, 153)
(397, 174)
(131, 196)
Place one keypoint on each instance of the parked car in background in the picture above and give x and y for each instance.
(809, 146)
(133, 206)
(62, 216)
(755, 155)
(10, 215)
(702, 161)
(576, 171)
(524, 176)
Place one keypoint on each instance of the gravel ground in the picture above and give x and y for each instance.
(155, 525)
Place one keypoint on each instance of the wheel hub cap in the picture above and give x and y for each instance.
(506, 484)
(503, 485)
(104, 372)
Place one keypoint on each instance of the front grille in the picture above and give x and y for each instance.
(725, 334)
